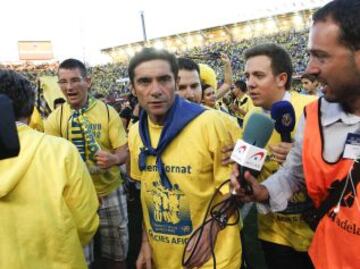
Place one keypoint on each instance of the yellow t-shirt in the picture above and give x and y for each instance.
(230, 122)
(109, 133)
(285, 228)
(193, 165)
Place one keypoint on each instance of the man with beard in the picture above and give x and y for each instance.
(325, 136)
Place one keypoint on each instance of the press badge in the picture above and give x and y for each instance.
(352, 147)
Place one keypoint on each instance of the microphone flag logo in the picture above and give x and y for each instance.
(286, 120)
(248, 155)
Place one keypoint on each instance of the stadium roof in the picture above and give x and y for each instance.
(81, 28)
(193, 19)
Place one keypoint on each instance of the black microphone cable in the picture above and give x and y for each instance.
(220, 214)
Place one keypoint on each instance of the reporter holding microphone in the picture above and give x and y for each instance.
(324, 153)
(284, 236)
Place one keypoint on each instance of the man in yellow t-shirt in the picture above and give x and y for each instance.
(284, 236)
(97, 132)
(242, 102)
(190, 88)
(175, 152)
(48, 203)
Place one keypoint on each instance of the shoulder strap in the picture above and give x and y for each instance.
(108, 112)
(61, 116)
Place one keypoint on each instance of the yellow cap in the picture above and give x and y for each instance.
(208, 76)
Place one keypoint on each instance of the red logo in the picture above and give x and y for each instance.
(258, 156)
(242, 149)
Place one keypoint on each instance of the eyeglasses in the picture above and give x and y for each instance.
(73, 81)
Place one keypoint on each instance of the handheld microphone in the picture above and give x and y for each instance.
(249, 152)
(9, 140)
(284, 115)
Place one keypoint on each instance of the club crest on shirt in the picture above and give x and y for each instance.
(168, 209)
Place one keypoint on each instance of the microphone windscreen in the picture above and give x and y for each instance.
(258, 130)
(284, 115)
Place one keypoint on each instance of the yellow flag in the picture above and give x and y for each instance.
(51, 90)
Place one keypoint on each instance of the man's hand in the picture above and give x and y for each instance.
(226, 154)
(105, 159)
(280, 151)
(225, 87)
(234, 107)
(260, 193)
(144, 259)
(203, 251)
(225, 59)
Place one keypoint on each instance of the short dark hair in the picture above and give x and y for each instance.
(310, 77)
(346, 14)
(188, 64)
(203, 88)
(20, 91)
(149, 54)
(99, 95)
(74, 64)
(280, 59)
(240, 84)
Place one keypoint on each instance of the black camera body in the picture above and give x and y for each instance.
(9, 140)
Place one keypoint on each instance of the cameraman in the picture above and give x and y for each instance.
(130, 114)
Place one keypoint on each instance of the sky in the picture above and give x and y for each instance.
(81, 28)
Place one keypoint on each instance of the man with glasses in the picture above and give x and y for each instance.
(98, 133)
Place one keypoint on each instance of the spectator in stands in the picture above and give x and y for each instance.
(48, 202)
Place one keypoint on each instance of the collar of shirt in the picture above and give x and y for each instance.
(20, 123)
(333, 112)
(286, 97)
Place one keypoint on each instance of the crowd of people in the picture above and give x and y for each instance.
(294, 42)
(105, 77)
(162, 180)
